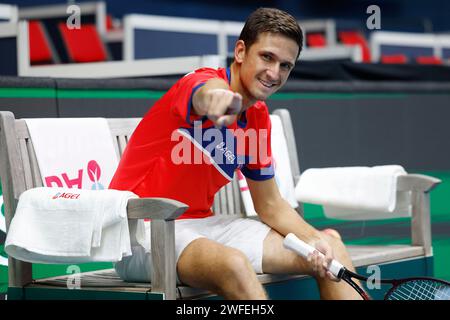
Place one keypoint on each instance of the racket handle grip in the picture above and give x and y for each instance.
(302, 248)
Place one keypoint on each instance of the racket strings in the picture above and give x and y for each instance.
(420, 290)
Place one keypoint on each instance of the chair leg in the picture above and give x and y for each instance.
(421, 221)
(163, 258)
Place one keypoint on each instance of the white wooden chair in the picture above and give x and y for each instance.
(19, 171)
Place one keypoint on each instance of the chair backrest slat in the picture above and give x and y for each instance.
(116, 146)
(230, 201)
(236, 195)
(26, 164)
(122, 141)
(32, 173)
(216, 204)
(35, 172)
(223, 201)
(121, 131)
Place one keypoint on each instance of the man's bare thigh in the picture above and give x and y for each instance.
(204, 262)
(277, 259)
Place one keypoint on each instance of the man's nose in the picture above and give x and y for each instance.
(273, 72)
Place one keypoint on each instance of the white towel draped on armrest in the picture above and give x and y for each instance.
(61, 225)
(355, 193)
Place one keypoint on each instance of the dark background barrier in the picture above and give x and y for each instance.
(28, 97)
(348, 71)
(367, 129)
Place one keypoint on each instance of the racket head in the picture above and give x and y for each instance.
(420, 288)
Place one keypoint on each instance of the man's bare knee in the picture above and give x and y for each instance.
(221, 269)
(236, 265)
(240, 280)
(333, 238)
(237, 278)
(335, 241)
(332, 233)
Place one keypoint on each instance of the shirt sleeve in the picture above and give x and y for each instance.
(184, 91)
(260, 165)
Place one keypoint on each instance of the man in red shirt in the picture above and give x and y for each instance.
(210, 123)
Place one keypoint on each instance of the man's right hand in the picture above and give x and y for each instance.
(321, 262)
(216, 101)
(221, 106)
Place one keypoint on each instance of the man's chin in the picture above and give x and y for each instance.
(263, 97)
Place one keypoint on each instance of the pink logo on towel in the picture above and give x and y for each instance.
(94, 173)
(66, 195)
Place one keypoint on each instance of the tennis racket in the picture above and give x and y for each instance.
(420, 288)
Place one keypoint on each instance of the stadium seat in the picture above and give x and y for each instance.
(84, 44)
(352, 38)
(428, 60)
(109, 22)
(394, 59)
(315, 40)
(40, 49)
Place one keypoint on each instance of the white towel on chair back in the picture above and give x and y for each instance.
(75, 153)
(280, 155)
(283, 172)
(355, 193)
(61, 225)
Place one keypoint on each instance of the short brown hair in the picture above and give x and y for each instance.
(274, 21)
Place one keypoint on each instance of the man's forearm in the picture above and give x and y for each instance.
(284, 219)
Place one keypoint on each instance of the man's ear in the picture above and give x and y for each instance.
(239, 51)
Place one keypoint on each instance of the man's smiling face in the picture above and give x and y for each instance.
(266, 65)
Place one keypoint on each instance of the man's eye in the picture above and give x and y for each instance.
(266, 57)
(286, 67)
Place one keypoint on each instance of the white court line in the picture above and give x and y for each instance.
(3, 261)
(2, 218)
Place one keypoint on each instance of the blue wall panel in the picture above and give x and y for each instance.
(157, 44)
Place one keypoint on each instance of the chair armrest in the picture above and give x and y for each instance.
(417, 182)
(420, 187)
(155, 208)
(163, 212)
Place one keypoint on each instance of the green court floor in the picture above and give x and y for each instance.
(395, 231)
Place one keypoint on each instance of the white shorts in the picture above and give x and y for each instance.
(246, 235)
